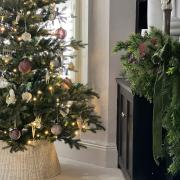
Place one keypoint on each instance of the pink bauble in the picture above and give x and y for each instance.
(15, 134)
(25, 66)
(61, 33)
(56, 129)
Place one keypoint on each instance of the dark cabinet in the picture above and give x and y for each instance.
(134, 136)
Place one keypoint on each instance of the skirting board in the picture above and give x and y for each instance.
(104, 156)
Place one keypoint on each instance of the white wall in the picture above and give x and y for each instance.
(178, 8)
(109, 21)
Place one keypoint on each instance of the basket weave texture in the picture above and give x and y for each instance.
(39, 162)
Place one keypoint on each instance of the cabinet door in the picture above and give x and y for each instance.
(125, 130)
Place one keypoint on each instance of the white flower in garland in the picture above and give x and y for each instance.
(27, 97)
(11, 99)
(3, 83)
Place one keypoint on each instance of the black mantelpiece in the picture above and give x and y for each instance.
(134, 137)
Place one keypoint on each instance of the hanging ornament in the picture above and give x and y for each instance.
(11, 99)
(52, 10)
(47, 77)
(66, 83)
(56, 129)
(3, 83)
(26, 36)
(27, 97)
(25, 66)
(54, 64)
(7, 55)
(69, 104)
(18, 17)
(36, 124)
(14, 134)
(7, 58)
(61, 33)
(71, 67)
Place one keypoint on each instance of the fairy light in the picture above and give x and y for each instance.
(14, 29)
(5, 132)
(73, 124)
(29, 142)
(2, 29)
(19, 38)
(34, 99)
(46, 132)
(6, 61)
(76, 133)
(50, 88)
(38, 135)
(14, 70)
(84, 126)
(39, 92)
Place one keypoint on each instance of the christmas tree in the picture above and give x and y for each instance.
(37, 98)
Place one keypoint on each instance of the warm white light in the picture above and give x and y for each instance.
(19, 38)
(76, 133)
(50, 88)
(29, 142)
(2, 29)
(34, 99)
(39, 92)
(14, 70)
(46, 132)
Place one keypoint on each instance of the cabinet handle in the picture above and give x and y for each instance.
(123, 115)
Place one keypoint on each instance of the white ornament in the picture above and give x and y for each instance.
(26, 96)
(26, 36)
(3, 83)
(11, 99)
(47, 77)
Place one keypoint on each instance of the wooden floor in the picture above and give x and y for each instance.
(72, 170)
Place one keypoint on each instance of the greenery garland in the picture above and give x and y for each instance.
(152, 65)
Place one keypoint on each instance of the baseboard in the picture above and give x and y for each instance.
(104, 156)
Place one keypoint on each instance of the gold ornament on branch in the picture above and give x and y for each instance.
(26, 36)
(36, 124)
(27, 97)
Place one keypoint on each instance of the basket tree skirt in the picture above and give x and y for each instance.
(39, 162)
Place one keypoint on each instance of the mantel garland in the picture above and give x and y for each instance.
(152, 65)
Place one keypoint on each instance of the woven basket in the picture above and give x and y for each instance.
(39, 162)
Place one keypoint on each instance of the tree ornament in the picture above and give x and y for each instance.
(25, 66)
(26, 36)
(36, 124)
(52, 10)
(3, 83)
(7, 58)
(54, 64)
(27, 97)
(7, 55)
(66, 83)
(142, 49)
(71, 67)
(56, 129)
(61, 33)
(14, 134)
(47, 77)
(11, 99)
